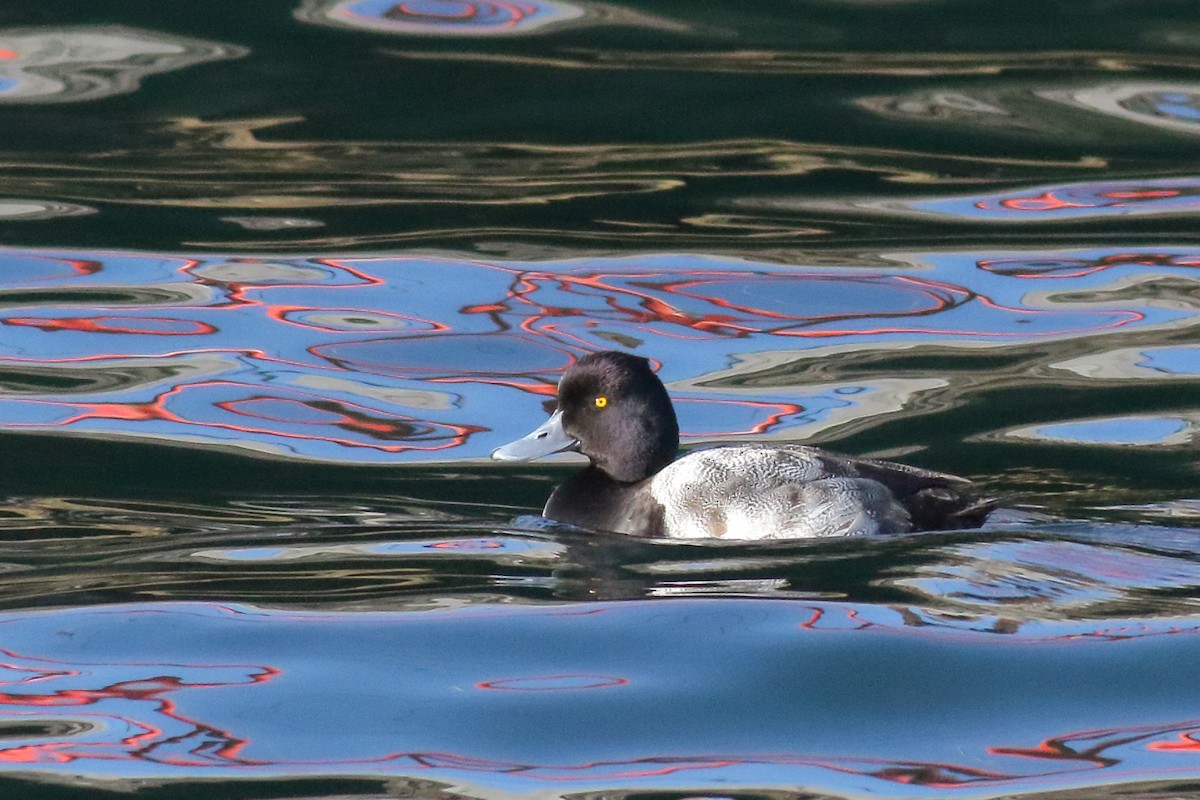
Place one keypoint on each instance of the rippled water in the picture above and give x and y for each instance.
(275, 278)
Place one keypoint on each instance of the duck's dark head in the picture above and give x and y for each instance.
(614, 410)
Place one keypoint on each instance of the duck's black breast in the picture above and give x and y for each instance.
(591, 499)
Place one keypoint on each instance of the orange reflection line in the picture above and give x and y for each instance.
(149, 737)
(257, 355)
(104, 325)
(235, 291)
(1188, 740)
(156, 410)
(1042, 202)
(773, 418)
(1061, 748)
(818, 614)
(1145, 194)
(1169, 260)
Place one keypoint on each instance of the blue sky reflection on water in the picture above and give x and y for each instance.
(379, 359)
(1114, 430)
(493, 696)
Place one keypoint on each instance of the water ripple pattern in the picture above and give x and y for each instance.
(441, 17)
(1071, 202)
(276, 277)
(490, 697)
(12, 209)
(374, 360)
(64, 65)
(1030, 110)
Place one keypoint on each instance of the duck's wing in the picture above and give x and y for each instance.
(761, 492)
(772, 493)
(902, 478)
(934, 500)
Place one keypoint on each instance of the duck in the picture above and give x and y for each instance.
(613, 409)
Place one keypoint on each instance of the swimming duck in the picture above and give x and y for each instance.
(615, 410)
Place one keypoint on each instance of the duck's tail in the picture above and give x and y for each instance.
(943, 508)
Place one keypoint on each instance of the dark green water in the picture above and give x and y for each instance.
(276, 278)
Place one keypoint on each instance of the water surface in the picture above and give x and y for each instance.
(275, 280)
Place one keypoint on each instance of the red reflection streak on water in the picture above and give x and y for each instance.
(645, 768)
(109, 325)
(1147, 194)
(935, 776)
(257, 355)
(1187, 741)
(533, 387)
(79, 267)
(355, 419)
(460, 373)
(1078, 268)
(1120, 634)
(218, 748)
(19, 664)
(1042, 202)
(645, 308)
(468, 12)
(541, 329)
(820, 614)
(1127, 318)
(235, 291)
(987, 302)
(943, 296)
(931, 774)
(1079, 746)
(150, 738)
(782, 411)
(1050, 201)
(509, 684)
(367, 278)
(837, 619)
(513, 13)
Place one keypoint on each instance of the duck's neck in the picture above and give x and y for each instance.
(591, 499)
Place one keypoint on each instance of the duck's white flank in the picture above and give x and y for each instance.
(769, 493)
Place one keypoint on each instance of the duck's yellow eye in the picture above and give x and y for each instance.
(601, 401)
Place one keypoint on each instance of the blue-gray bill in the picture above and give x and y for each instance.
(547, 438)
